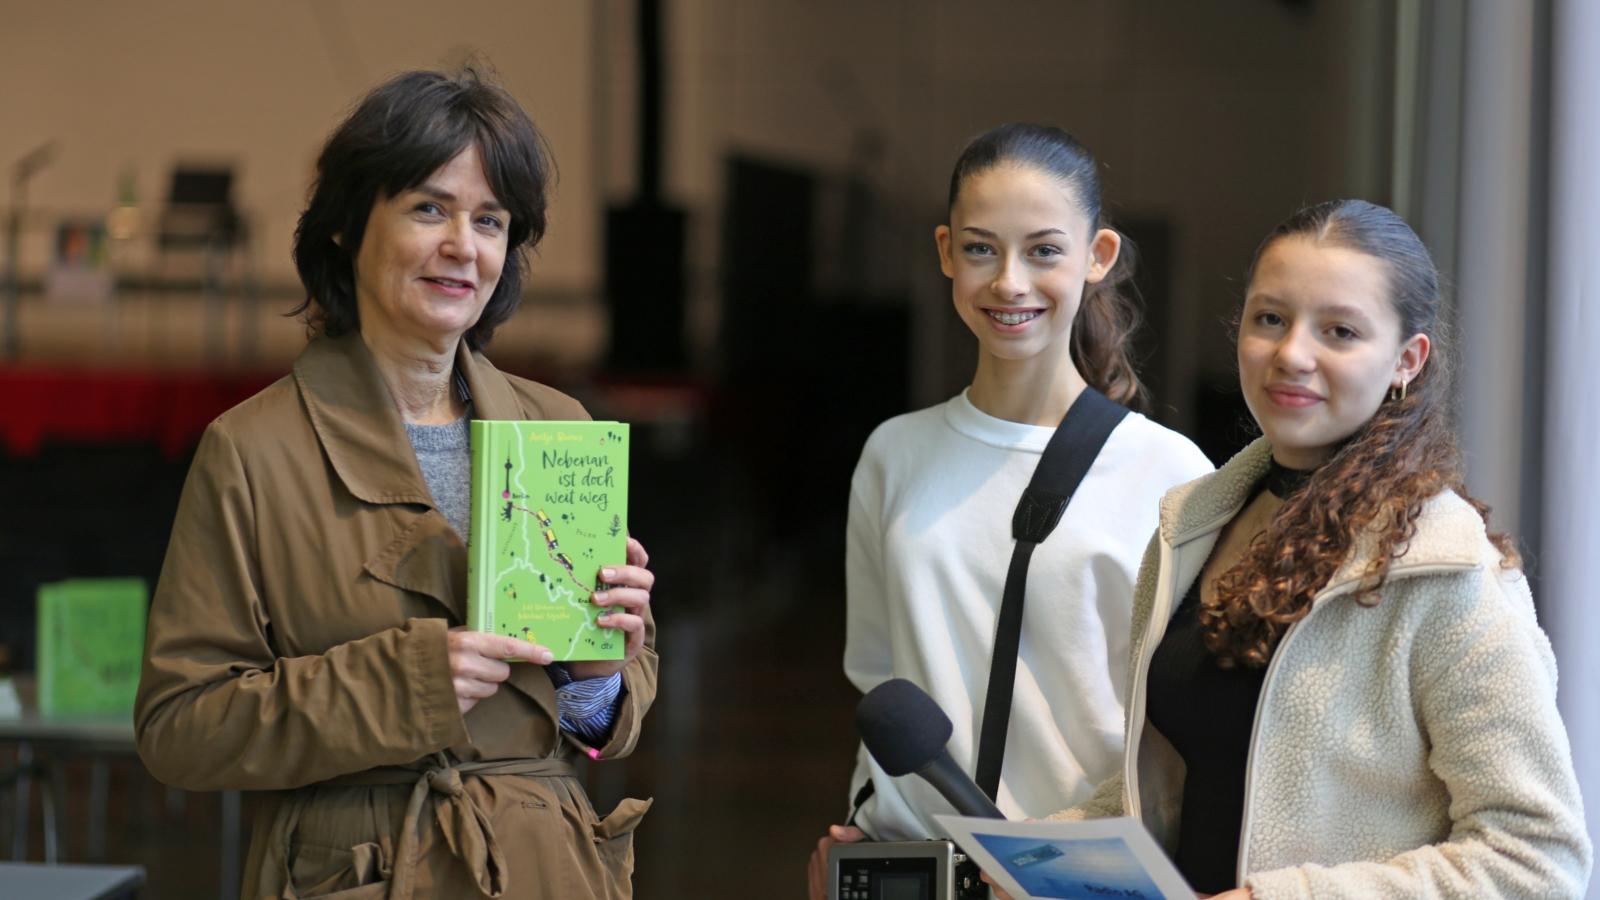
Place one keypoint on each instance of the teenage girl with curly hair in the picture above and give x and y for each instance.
(1339, 689)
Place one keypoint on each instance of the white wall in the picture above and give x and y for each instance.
(141, 85)
(1572, 419)
(1221, 117)
(1492, 273)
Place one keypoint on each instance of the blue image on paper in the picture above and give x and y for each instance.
(1072, 870)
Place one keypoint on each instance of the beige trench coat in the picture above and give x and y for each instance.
(297, 646)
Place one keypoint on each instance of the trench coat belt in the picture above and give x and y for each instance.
(467, 830)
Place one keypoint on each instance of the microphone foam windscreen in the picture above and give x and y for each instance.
(902, 727)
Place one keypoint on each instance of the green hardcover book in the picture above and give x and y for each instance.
(91, 643)
(549, 508)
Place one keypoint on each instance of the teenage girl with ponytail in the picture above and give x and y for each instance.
(1339, 689)
(1041, 280)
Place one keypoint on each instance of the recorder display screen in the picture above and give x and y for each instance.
(901, 886)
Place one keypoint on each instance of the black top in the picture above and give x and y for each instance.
(1208, 714)
(1282, 482)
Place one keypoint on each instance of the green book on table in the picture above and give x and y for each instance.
(549, 508)
(90, 645)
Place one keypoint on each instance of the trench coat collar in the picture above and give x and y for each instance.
(365, 439)
(361, 430)
(489, 390)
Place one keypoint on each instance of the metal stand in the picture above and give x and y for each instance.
(21, 171)
(22, 778)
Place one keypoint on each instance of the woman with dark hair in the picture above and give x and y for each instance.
(1041, 280)
(1339, 689)
(300, 639)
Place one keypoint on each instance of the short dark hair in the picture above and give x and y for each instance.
(1108, 316)
(398, 135)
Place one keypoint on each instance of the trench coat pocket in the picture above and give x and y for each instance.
(613, 835)
(359, 873)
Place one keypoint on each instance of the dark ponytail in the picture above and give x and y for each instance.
(1103, 330)
(1108, 315)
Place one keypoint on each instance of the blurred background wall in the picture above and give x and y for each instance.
(126, 91)
(790, 297)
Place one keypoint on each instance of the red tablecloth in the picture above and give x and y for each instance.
(169, 409)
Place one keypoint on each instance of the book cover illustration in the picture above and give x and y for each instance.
(1051, 860)
(549, 508)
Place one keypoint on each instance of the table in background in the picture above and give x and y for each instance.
(34, 881)
(41, 739)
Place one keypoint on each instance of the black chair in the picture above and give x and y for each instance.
(200, 211)
(199, 218)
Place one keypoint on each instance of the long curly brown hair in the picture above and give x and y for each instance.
(1376, 482)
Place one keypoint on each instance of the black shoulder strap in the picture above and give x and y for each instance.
(860, 799)
(1066, 459)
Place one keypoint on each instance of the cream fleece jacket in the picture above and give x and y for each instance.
(1411, 749)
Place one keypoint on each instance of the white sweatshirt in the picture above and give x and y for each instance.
(928, 545)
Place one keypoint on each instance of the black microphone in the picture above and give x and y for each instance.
(906, 732)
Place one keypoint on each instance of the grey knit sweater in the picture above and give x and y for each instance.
(445, 455)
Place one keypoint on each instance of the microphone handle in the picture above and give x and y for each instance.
(955, 786)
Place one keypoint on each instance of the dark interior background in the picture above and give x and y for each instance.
(741, 264)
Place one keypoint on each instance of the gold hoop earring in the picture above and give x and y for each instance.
(1398, 393)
